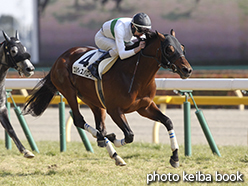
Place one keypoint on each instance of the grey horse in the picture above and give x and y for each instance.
(13, 55)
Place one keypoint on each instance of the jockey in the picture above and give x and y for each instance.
(115, 33)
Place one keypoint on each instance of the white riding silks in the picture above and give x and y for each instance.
(173, 140)
(119, 143)
(109, 148)
(91, 130)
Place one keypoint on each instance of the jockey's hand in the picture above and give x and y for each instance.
(142, 44)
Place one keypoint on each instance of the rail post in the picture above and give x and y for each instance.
(24, 126)
(62, 134)
(83, 137)
(8, 144)
(187, 122)
(205, 128)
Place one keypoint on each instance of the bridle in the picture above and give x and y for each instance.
(10, 60)
(164, 62)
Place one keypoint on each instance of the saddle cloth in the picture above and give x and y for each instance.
(80, 66)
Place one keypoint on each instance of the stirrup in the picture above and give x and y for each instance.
(94, 70)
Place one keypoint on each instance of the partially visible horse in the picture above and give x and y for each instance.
(124, 91)
(13, 55)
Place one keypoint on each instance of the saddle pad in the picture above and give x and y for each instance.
(80, 66)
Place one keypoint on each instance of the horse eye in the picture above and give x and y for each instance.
(170, 50)
(14, 51)
(183, 49)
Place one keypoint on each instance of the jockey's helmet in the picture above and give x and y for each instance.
(141, 22)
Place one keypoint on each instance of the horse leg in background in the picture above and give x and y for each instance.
(7, 126)
(152, 112)
(120, 119)
(100, 116)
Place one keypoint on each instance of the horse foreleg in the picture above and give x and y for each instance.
(100, 115)
(9, 129)
(152, 112)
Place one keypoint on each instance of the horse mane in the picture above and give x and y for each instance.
(149, 37)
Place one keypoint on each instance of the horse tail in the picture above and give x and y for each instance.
(40, 99)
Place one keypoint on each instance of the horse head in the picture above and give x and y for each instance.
(16, 55)
(173, 55)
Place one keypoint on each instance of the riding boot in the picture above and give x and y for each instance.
(93, 68)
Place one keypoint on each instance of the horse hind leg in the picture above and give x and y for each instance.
(112, 153)
(7, 126)
(70, 94)
(100, 126)
(105, 143)
(99, 115)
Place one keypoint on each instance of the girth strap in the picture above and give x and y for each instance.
(99, 92)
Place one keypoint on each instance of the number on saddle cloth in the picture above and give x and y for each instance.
(80, 66)
(85, 61)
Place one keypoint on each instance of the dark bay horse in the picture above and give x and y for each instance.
(13, 55)
(121, 96)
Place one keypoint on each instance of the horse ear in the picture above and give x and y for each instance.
(7, 38)
(17, 35)
(172, 32)
(160, 35)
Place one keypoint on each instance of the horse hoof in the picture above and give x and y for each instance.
(28, 154)
(111, 137)
(101, 143)
(174, 163)
(119, 161)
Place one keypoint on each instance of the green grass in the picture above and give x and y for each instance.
(78, 167)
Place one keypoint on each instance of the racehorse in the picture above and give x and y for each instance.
(127, 87)
(13, 55)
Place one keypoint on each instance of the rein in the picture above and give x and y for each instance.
(155, 58)
(137, 63)
(168, 64)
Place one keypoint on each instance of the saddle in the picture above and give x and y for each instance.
(80, 67)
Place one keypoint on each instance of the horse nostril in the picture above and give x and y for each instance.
(30, 69)
(187, 70)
